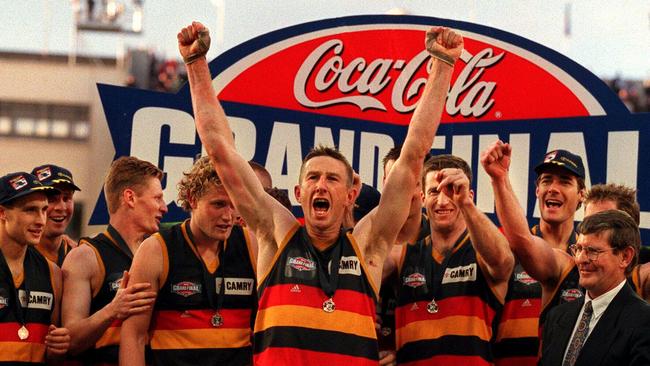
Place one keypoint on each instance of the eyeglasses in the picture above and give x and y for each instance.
(592, 254)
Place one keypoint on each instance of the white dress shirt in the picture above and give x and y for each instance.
(599, 305)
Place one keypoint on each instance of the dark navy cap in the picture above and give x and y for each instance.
(20, 184)
(52, 175)
(563, 159)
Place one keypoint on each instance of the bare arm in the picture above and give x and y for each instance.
(536, 256)
(488, 242)
(147, 267)
(266, 217)
(380, 228)
(79, 268)
(57, 339)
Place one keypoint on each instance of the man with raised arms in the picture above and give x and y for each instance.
(317, 284)
(545, 270)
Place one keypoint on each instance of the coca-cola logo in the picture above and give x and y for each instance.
(469, 95)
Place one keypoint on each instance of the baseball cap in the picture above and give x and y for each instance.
(367, 200)
(563, 159)
(50, 174)
(19, 184)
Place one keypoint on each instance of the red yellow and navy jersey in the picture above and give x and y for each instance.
(182, 328)
(292, 327)
(34, 291)
(446, 308)
(517, 340)
(113, 257)
(634, 279)
(61, 253)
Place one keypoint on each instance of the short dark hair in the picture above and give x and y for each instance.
(439, 162)
(331, 152)
(621, 230)
(623, 196)
(280, 195)
(261, 170)
(127, 172)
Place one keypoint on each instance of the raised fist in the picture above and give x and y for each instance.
(496, 159)
(444, 44)
(193, 42)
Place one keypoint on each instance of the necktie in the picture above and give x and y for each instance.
(579, 337)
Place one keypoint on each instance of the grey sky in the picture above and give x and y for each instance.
(608, 37)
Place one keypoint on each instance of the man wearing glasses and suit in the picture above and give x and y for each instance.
(610, 325)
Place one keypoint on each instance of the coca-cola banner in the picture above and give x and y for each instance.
(353, 82)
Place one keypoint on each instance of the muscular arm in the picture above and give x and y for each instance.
(80, 269)
(57, 339)
(85, 329)
(266, 217)
(379, 229)
(536, 256)
(147, 267)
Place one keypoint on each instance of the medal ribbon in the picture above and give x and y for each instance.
(215, 298)
(6, 273)
(330, 282)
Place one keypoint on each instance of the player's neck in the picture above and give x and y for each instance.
(13, 252)
(50, 244)
(131, 234)
(203, 242)
(443, 241)
(322, 238)
(557, 235)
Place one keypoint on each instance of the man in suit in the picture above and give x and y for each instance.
(610, 325)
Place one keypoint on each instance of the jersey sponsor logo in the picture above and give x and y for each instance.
(524, 277)
(414, 280)
(115, 285)
(296, 289)
(4, 302)
(235, 285)
(350, 265)
(460, 274)
(37, 299)
(186, 288)
(571, 294)
(301, 264)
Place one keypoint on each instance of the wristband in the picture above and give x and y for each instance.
(203, 41)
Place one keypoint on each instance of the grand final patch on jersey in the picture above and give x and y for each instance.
(414, 280)
(186, 288)
(37, 299)
(350, 265)
(301, 264)
(460, 274)
(354, 82)
(524, 277)
(571, 294)
(235, 285)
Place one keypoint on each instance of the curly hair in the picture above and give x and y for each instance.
(196, 182)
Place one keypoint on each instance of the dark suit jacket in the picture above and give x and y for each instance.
(621, 336)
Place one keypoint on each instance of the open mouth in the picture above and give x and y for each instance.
(553, 203)
(321, 205)
(443, 212)
(57, 219)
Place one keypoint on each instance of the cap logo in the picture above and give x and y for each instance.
(43, 173)
(550, 156)
(18, 182)
(567, 160)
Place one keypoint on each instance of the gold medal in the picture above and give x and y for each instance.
(23, 333)
(217, 320)
(432, 307)
(329, 306)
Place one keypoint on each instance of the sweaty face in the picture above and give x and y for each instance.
(444, 215)
(604, 273)
(558, 195)
(149, 206)
(59, 212)
(213, 214)
(25, 220)
(324, 192)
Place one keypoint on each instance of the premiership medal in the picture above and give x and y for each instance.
(217, 320)
(329, 306)
(432, 307)
(23, 333)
